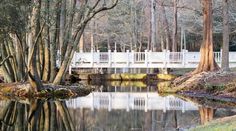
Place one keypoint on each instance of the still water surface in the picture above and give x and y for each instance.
(109, 109)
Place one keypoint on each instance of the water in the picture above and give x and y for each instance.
(109, 108)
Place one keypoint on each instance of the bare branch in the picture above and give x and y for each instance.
(5, 59)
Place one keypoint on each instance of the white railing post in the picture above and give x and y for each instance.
(165, 61)
(98, 54)
(220, 56)
(146, 58)
(184, 59)
(149, 56)
(92, 58)
(115, 60)
(132, 56)
(127, 54)
(168, 56)
(109, 58)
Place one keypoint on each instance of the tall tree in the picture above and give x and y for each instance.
(164, 26)
(32, 48)
(225, 49)
(207, 61)
(153, 25)
(174, 37)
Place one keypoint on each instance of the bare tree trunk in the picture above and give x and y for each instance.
(165, 25)
(160, 30)
(46, 41)
(225, 49)
(62, 25)
(207, 61)
(174, 38)
(53, 39)
(33, 47)
(153, 25)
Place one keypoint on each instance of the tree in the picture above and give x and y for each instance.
(164, 31)
(153, 25)
(225, 49)
(31, 53)
(175, 27)
(207, 61)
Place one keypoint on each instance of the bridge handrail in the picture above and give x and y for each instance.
(146, 59)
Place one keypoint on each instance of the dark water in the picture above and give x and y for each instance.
(109, 109)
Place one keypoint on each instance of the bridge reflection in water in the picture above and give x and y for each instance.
(130, 101)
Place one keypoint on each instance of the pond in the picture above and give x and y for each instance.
(109, 108)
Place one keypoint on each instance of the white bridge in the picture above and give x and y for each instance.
(130, 101)
(147, 59)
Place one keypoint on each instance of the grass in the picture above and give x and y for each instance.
(223, 124)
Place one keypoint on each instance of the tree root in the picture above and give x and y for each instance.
(204, 81)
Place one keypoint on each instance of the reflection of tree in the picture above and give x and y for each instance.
(206, 114)
(39, 115)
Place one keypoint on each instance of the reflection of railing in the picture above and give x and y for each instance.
(130, 101)
(147, 59)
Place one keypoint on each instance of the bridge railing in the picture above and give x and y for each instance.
(147, 59)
